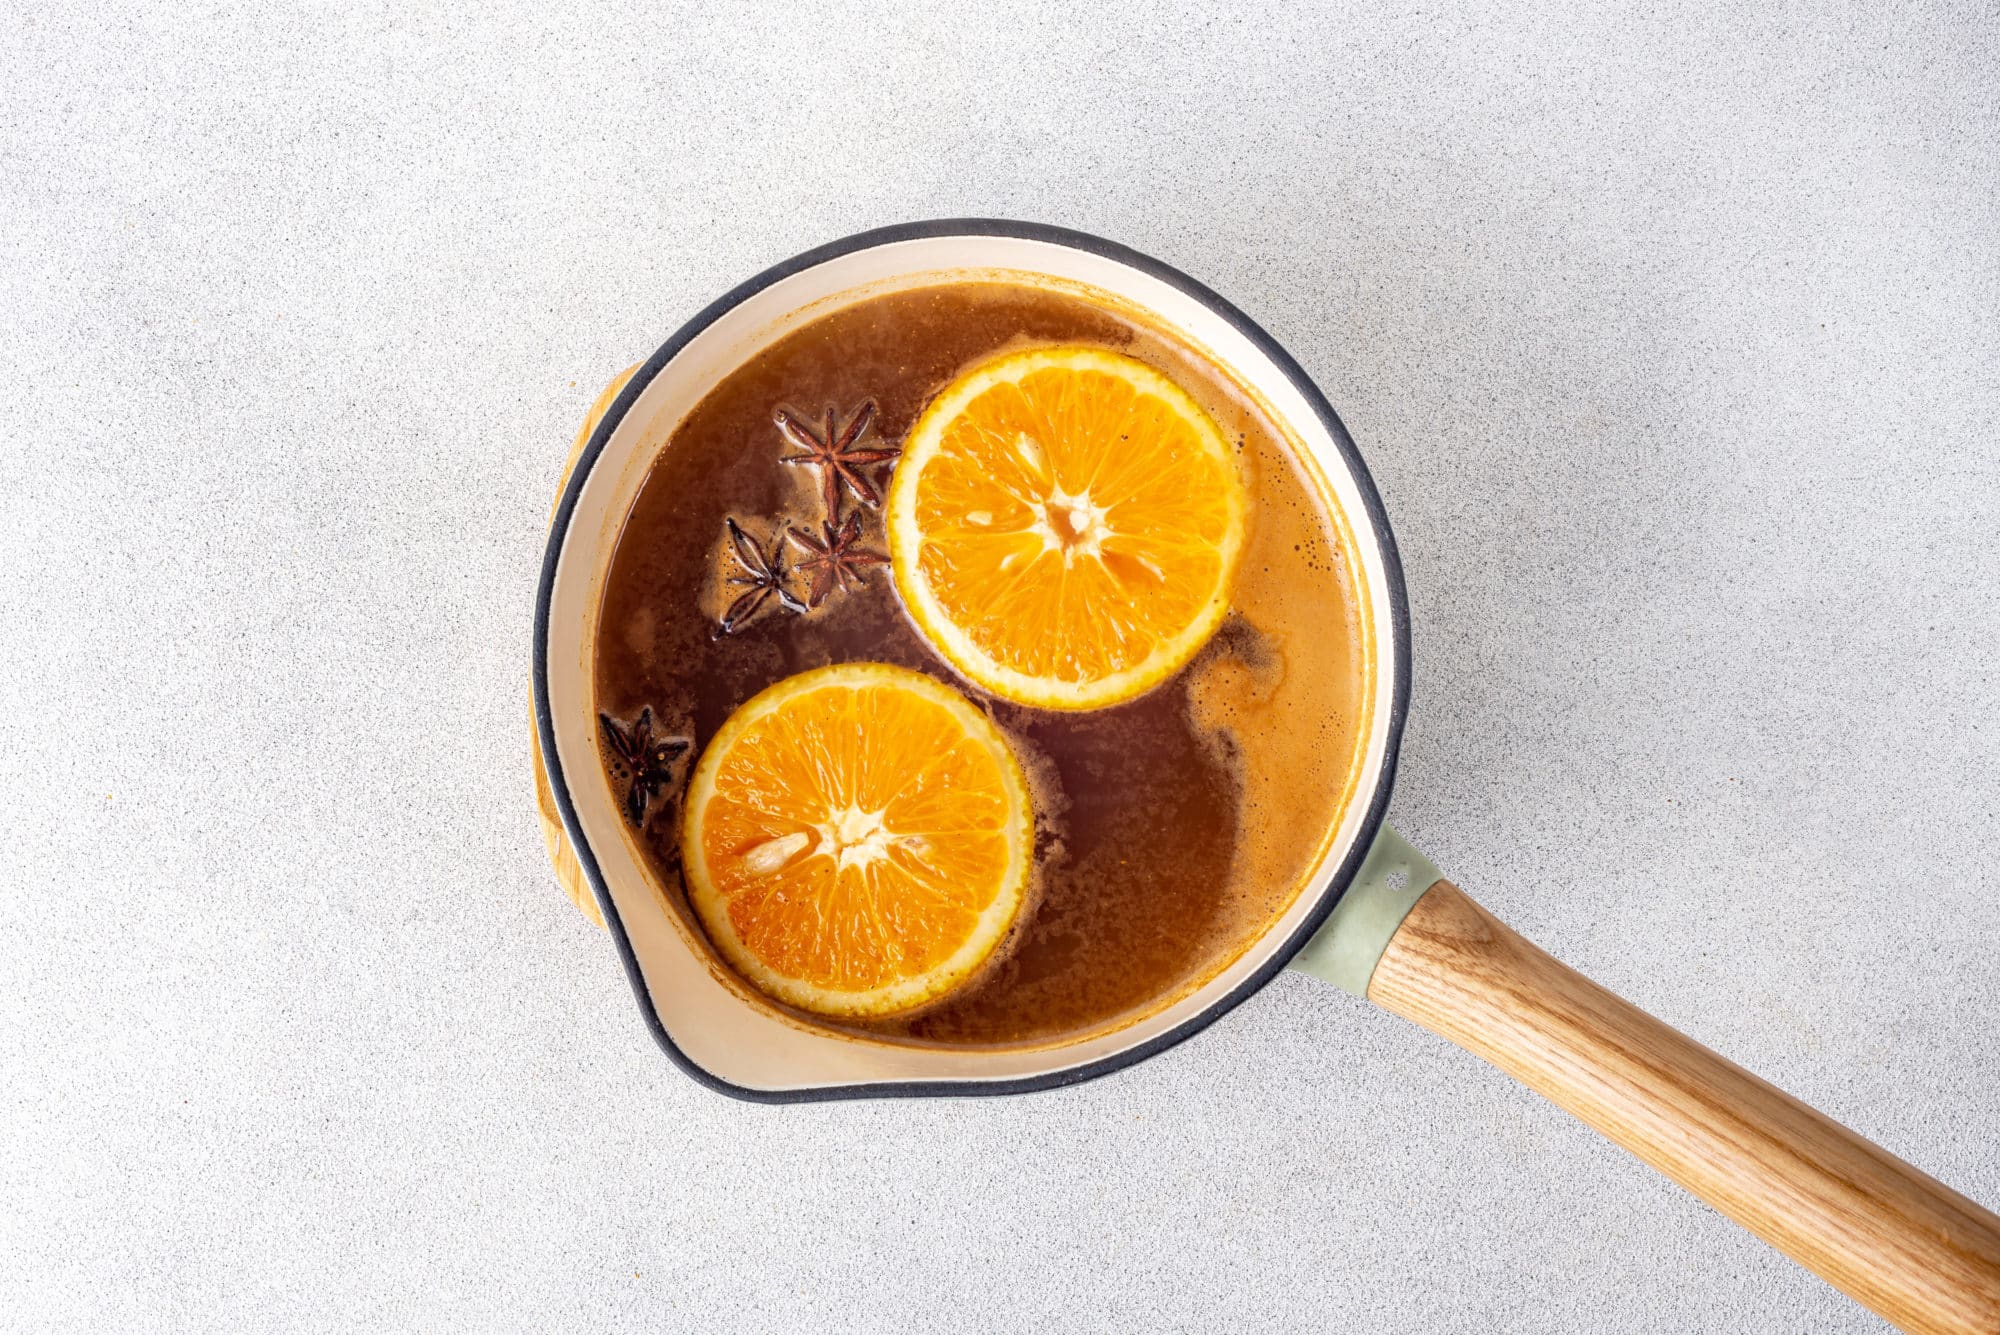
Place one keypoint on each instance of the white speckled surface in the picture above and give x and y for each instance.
(1674, 341)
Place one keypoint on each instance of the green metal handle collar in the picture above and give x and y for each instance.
(1345, 950)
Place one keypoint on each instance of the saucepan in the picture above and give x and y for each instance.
(1375, 918)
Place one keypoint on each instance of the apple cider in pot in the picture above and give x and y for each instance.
(979, 665)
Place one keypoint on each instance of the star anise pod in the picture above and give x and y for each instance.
(835, 455)
(764, 573)
(649, 761)
(835, 562)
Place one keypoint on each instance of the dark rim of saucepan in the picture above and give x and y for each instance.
(1336, 884)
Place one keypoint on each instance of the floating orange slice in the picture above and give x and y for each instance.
(1064, 525)
(857, 839)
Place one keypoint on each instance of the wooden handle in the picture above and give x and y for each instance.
(1882, 1232)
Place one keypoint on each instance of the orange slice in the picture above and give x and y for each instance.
(1064, 525)
(857, 839)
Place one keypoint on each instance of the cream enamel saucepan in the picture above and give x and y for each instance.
(1376, 918)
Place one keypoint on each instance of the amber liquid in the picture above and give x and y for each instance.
(1170, 830)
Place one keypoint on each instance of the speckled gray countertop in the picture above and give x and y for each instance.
(1673, 339)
